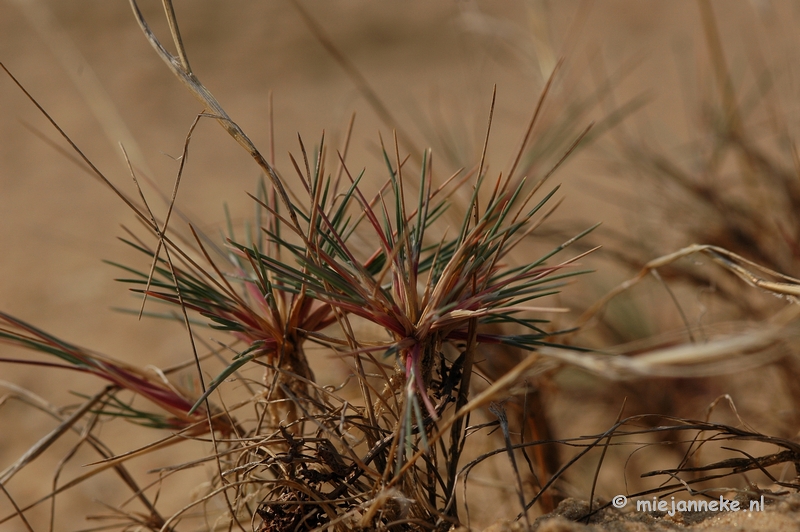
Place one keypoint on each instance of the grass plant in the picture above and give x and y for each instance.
(413, 304)
(309, 458)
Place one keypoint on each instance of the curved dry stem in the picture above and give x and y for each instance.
(788, 288)
(179, 66)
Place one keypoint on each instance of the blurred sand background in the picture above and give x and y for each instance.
(433, 64)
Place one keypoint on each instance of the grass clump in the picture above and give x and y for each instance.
(316, 269)
(415, 290)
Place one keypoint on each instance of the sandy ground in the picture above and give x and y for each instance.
(434, 66)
